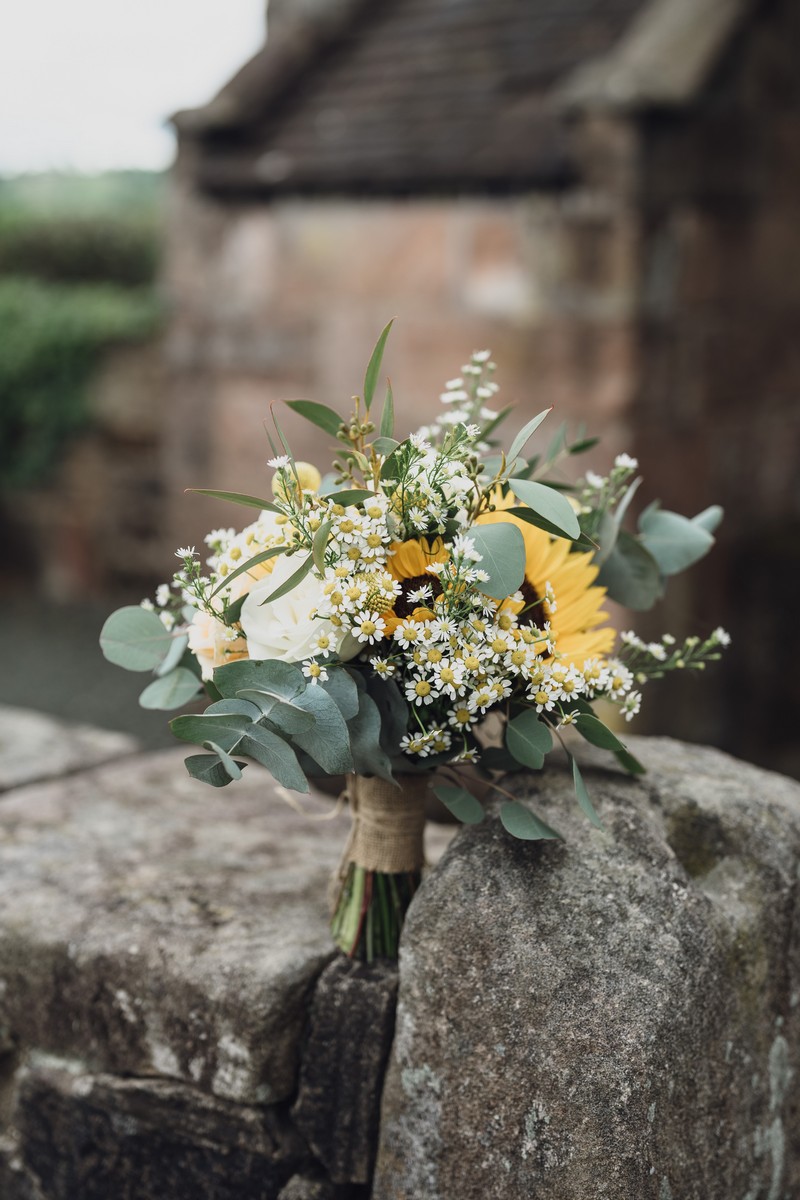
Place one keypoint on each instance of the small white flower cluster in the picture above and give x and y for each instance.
(651, 660)
(466, 398)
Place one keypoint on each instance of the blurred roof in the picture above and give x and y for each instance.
(410, 96)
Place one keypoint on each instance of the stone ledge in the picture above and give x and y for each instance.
(35, 746)
(152, 925)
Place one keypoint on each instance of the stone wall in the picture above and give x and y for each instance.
(286, 301)
(614, 1017)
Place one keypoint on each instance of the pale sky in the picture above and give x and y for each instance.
(87, 84)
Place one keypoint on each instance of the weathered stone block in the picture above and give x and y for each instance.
(351, 1025)
(613, 1017)
(99, 1136)
(151, 925)
(36, 746)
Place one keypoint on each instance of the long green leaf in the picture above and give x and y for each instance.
(549, 504)
(387, 416)
(502, 550)
(236, 498)
(350, 496)
(374, 366)
(134, 638)
(318, 414)
(528, 515)
(583, 796)
(461, 803)
(521, 823)
(319, 545)
(289, 584)
(247, 566)
(525, 434)
(593, 729)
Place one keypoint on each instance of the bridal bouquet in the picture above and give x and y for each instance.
(431, 609)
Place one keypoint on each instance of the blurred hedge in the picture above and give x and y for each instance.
(50, 341)
(108, 248)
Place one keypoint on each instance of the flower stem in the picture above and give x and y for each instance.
(370, 911)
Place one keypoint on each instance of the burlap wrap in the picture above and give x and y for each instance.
(388, 823)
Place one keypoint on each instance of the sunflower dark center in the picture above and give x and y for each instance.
(404, 607)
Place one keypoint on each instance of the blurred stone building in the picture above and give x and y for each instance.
(605, 192)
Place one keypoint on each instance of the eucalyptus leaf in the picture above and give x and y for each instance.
(208, 769)
(606, 534)
(461, 803)
(171, 691)
(385, 445)
(674, 541)
(521, 823)
(174, 654)
(393, 710)
(222, 728)
(283, 679)
(291, 583)
(134, 638)
(328, 738)
(498, 758)
(630, 574)
(286, 714)
(236, 498)
(365, 730)
(341, 687)
(318, 414)
(529, 739)
(625, 502)
(231, 768)
(709, 518)
(242, 708)
(548, 504)
(502, 550)
(583, 796)
(276, 755)
(524, 435)
(374, 366)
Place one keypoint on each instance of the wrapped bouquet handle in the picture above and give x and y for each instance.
(382, 863)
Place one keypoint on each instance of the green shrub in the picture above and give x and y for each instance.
(80, 249)
(51, 336)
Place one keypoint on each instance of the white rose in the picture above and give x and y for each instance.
(285, 628)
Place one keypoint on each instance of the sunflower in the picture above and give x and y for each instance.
(408, 563)
(578, 623)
